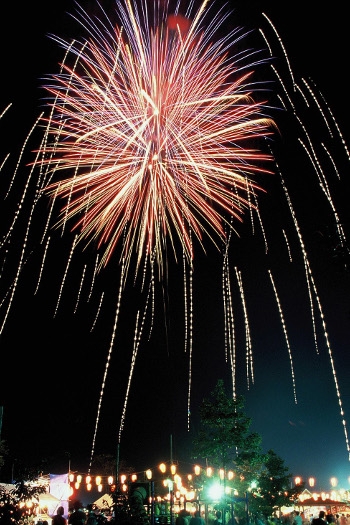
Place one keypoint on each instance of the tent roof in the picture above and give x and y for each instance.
(104, 502)
(311, 502)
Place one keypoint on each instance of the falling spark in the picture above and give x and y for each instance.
(98, 312)
(285, 335)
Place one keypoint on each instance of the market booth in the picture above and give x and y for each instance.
(311, 504)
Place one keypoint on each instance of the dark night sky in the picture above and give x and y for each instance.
(52, 367)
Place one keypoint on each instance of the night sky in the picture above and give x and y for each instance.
(52, 364)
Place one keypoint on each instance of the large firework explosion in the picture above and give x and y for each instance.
(158, 145)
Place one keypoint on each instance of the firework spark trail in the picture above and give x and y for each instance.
(317, 166)
(109, 355)
(282, 47)
(311, 302)
(42, 172)
(65, 275)
(184, 270)
(41, 270)
(288, 246)
(80, 288)
(6, 109)
(22, 259)
(228, 309)
(312, 289)
(285, 90)
(93, 277)
(137, 341)
(318, 106)
(304, 255)
(229, 321)
(248, 341)
(311, 285)
(257, 209)
(311, 153)
(332, 160)
(4, 161)
(301, 92)
(285, 334)
(152, 281)
(190, 345)
(20, 204)
(340, 229)
(324, 186)
(98, 312)
(48, 220)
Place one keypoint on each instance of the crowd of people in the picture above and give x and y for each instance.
(94, 516)
(78, 516)
(294, 518)
(322, 517)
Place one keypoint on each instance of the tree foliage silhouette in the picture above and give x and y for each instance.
(275, 486)
(224, 439)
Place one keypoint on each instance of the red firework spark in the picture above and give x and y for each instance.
(154, 124)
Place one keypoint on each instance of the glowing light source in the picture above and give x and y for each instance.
(334, 482)
(216, 491)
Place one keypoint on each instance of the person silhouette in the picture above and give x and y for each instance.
(59, 519)
(78, 516)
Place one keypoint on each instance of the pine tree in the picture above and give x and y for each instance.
(274, 486)
(224, 439)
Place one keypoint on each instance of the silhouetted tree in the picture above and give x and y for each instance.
(11, 499)
(224, 439)
(275, 486)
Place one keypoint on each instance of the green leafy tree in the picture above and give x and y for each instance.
(274, 487)
(225, 441)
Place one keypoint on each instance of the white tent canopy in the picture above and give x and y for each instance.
(104, 502)
(49, 502)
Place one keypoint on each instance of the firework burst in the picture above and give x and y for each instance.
(154, 126)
